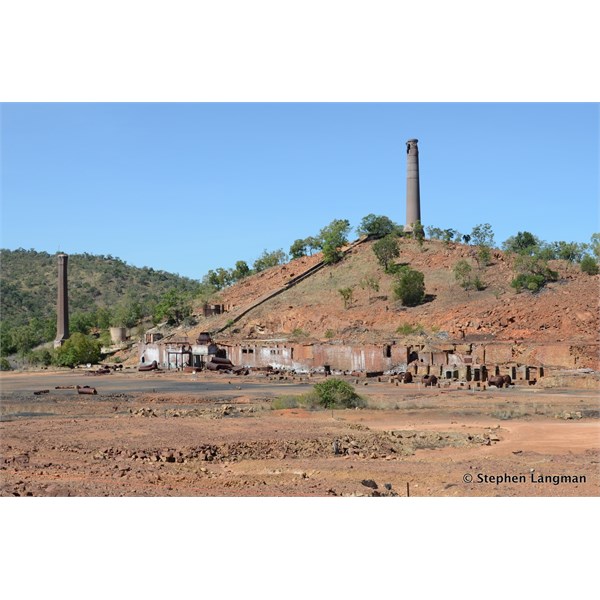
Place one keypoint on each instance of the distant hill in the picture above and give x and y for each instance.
(28, 284)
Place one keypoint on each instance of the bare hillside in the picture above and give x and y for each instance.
(566, 310)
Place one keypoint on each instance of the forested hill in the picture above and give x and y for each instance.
(28, 281)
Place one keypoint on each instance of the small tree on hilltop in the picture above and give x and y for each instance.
(269, 259)
(298, 249)
(482, 235)
(522, 243)
(410, 287)
(377, 226)
(333, 237)
(386, 250)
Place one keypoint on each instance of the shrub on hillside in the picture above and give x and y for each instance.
(410, 287)
(589, 265)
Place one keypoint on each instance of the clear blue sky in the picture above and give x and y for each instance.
(192, 187)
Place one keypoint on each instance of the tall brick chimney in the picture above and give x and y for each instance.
(62, 303)
(413, 196)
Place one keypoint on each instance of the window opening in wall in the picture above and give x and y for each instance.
(387, 352)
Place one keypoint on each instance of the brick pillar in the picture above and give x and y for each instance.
(413, 196)
(62, 303)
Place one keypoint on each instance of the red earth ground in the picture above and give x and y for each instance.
(222, 436)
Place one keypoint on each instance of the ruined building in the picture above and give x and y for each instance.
(62, 303)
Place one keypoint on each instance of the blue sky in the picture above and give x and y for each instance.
(190, 187)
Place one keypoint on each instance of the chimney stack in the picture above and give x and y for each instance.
(413, 196)
(62, 304)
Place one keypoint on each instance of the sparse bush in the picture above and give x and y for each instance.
(418, 232)
(370, 283)
(283, 402)
(5, 365)
(269, 259)
(347, 295)
(462, 273)
(589, 265)
(410, 287)
(329, 334)
(408, 329)
(40, 357)
(483, 256)
(336, 393)
(298, 332)
(532, 273)
(530, 282)
(478, 284)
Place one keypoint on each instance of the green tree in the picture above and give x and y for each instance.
(522, 243)
(434, 233)
(174, 307)
(240, 270)
(377, 226)
(102, 318)
(386, 250)
(24, 338)
(482, 235)
(312, 244)
(4, 364)
(589, 265)
(410, 287)
(570, 251)
(298, 249)
(595, 245)
(269, 259)
(333, 237)
(127, 314)
(78, 349)
(334, 393)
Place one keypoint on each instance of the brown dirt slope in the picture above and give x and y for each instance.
(566, 310)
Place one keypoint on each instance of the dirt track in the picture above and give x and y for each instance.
(215, 435)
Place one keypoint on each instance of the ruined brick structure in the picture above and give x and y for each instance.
(62, 303)
(413, 194)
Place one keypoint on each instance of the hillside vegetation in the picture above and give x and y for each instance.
(355, 299)
(103, 291)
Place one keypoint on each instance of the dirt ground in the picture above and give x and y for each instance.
(159, 434)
